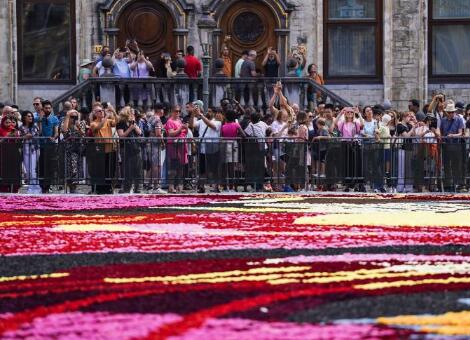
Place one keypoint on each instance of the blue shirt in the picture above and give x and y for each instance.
(48, 124)
(451, 126)
(121, 68)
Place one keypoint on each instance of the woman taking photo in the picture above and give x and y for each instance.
(141, 68)
(28, 131)
(131, 155)
(350, 129)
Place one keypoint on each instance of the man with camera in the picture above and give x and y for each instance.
(209, 134)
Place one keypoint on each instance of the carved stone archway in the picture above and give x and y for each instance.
(280, 9)
(111, 10)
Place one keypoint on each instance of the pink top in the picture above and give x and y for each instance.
(230, 130)
(175, 125)
(349, 129)
(177, 150)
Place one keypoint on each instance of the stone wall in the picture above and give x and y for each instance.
(6, 55)
(405, 51)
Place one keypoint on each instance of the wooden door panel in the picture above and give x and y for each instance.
(151, 25)
(250, 26)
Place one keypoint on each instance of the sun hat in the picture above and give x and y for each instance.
(450, 107)
(86, 62)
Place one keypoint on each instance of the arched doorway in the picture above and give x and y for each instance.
(151, 25)
(250, 26)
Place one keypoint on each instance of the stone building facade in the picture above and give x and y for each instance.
(401, 45)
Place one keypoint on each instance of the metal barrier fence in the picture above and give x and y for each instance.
(283, 164)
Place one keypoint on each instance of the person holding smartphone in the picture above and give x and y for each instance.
(209, 134)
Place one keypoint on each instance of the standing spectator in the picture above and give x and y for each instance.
(104, 52)
(37, 108)
(141, 68)
(227, 61)
(405, 130)
(48, 128)
(349, 128)
(176, 150)
(10, 157)
(157, 150)
(99, 69)
(248, 68)
(414, 106)
(255, 150)
(320, 147)
(130, 150)
(238, 65)
(271, 63)
(73, 130)
(86, 70)
(383, 136)
(193, 66)
(209, 133)
(230, 131)
(121, 65)
(29, 131)
(179, 55)
(164, 69)
(104, 164)
(313, 74)
(452, 149)
(436, 108)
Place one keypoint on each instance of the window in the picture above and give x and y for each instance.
(449, 40)
(46, 41)
(353, 41)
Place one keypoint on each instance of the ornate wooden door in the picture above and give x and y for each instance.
(151, 25)
(250, 26)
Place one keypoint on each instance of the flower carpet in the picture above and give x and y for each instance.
(235, 267)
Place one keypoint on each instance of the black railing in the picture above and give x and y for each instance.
(285, 164)
(144, 92)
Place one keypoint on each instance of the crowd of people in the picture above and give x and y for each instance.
(172, 149)
(131, 62)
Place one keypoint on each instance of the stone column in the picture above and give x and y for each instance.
(181, 35)
(283, 48)
(112, 34)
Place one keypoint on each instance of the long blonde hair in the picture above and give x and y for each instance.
(125, 114)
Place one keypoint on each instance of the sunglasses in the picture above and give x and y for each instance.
(177, 111)
(310, 116)
(99, 111)
(35, 104)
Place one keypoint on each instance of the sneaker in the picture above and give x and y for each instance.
(159, 191)
(322, 176)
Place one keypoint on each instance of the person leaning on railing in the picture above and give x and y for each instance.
(73, 130)
(405, 131)
(101, 128)
(10, 159)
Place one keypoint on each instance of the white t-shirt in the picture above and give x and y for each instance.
(101, 69)
(209, 133)
(277, 126)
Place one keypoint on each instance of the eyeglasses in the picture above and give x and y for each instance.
(35, 104)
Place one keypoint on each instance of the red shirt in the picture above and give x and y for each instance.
(193, 66)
